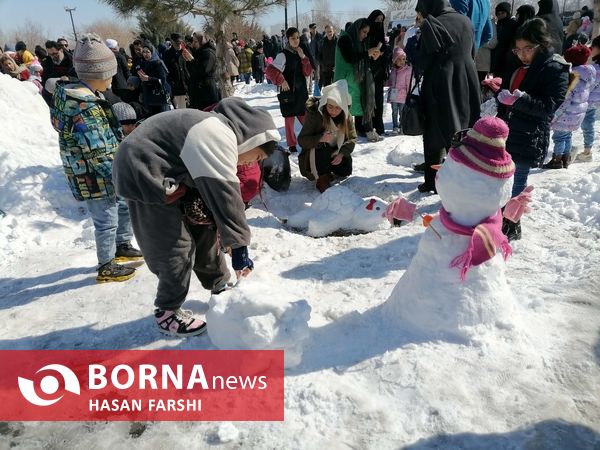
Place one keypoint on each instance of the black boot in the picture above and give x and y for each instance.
(429, 185)
(512, 230)
(554, 163)
(566, 160)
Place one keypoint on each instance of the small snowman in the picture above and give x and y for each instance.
(339, 208)
(455, 285)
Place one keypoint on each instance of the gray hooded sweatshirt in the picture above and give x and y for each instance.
(199, 149)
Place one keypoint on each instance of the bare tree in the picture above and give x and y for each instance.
(108, 29)
(217, 14)
(245, 29)
(32, 33)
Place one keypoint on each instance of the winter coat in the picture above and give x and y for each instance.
(258, 62)
(288, 66)
(199, 149)
(545, 87)
(88, 137)
(202, 86)
(594, 100)
(586, 27)
(478, 11)
(119, 80)
(245, 58)
(398, 83)
(231, 61)
(570, 114)
(312, 131)
(501, 55)
(450, 90)
(27, 58)
(326, 54)
(156, 90)
(345, 59)
(178, 76)
(549, 12)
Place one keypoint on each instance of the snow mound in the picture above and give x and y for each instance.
(579, 201)
(401, 158)
(255, 317)
(267, 90)
(339, 208)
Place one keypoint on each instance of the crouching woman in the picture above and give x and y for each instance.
(328, 136)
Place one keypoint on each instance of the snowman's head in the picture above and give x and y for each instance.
(369, 215)
(477, 177)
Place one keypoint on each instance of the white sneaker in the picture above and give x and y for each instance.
(372, 136)
(585, 157)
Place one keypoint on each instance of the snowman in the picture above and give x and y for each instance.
(455, 285)
(339, 208)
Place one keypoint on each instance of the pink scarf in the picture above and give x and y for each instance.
(486, 237)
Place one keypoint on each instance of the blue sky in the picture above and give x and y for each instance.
(53, 17)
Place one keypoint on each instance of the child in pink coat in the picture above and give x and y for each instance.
(398, 82)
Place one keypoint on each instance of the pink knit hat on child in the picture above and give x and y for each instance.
(398, 52)
(483, 149)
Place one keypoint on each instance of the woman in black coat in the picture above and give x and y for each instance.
(450, 91)
(379, 66)
(155, 88)
(202, 66)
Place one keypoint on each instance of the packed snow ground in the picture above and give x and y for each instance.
(361, 383)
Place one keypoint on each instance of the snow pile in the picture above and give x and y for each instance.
(579, 200)
(266, 90)
(32, 184)
(399, 157)
(430, 299)
(338, 208)
(257, 317)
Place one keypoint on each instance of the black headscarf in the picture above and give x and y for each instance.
(525, 13)
(362, 72)
(431, 7)
(376, 31)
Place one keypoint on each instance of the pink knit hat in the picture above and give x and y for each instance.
(483, 149)
(398, 52)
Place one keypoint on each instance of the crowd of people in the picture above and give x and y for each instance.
(176, 183)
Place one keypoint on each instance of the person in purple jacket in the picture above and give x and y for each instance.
(570, 114)
(587, 126)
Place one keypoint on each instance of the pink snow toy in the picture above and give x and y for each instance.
(518, 205)
(400, 209)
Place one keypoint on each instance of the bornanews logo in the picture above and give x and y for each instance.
(141, 385)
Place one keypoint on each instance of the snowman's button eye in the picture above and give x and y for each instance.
(378, 208)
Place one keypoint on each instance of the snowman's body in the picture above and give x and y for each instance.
(430, 298)
(338, 208)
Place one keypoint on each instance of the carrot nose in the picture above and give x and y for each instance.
(436, 166)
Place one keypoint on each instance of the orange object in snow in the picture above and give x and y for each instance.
(427, 218)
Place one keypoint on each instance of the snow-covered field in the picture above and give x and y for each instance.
(361, 383)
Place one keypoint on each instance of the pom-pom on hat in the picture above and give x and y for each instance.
(125, 113)
(483, 149)
(92, 59)
(577, 55)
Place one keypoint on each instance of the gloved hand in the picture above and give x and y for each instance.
(508, 99)
(240, 259)
(518, 205)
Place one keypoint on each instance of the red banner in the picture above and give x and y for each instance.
(152, 385)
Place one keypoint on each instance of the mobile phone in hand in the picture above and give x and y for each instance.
(141, 73)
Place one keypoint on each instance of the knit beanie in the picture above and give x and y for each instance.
(483, 149)
(578, 55)
(125, 113)
(92, 59)
(398, 52)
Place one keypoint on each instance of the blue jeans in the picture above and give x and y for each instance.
(520, 178)
(112, 226)
(396, 113)
(246, 77)
(562, 142)
(587, 126)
